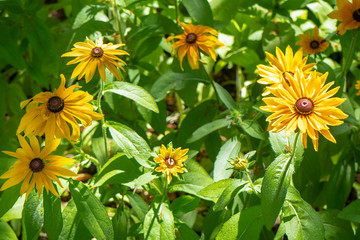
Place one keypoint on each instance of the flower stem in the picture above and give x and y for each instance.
(180, 108)
(294, 146)
(176, 10)
(103, 118)
(251, 183)
(118, 21)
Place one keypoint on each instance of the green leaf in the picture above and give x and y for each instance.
(8, 198)
(147, 46)
(351, 212)
(246, 224)
(207, 129)
(120, 224)
(130, 142)
(133, 92)
(185, 233)
(32, 217)
(228, 194)
(9, 51)
(275, 184)
(301, 220)
(159, 222)
(199, 10)
(225, 96)
(184, 204)
(53, 221)
(252, 128)
(335, 228)
(86, 14)
(139, 206)
(92, 212)
(222, 166)
(71, 221)
(6, 231)
(213, 191)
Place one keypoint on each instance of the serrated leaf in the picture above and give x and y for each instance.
(130, 142)
(53, 221)
(133, 92)
(228, 151)
(274, 188)
(207, 129)
(32, 216)
(93, 213)
(199, 10)
(225, 96)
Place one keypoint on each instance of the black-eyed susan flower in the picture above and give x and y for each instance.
(91, 56)
(55, 114)
(348, 13)
(171, 161)
(35, 167)
(280, 65)
(357, 86)
(313, 44)
(306, 105)
(195, 37)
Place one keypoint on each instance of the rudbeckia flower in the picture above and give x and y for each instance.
(36, 167)
(357, 86)
(313, 44)
(195, 37)
(348, 13)
(280, 65)
(52, 113)
(305, 104)
(171, 161)
(92, 56)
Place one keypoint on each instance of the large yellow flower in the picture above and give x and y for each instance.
(193, 38)
(92, 56)
(305, 104)
(51, 113)
(171, 162)
(313, 44)
(357, 86)
(280, 65)
(36, 167)
(348, 14)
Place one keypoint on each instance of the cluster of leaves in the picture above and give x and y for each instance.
(213, 111)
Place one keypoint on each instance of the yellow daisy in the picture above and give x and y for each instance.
(36, 167)
(313, 44)
(51, 113)
(305, 104)
(357, 86)
(348, 13)
(280, 65)
(171, 162)
(193, 38)
(92, 56)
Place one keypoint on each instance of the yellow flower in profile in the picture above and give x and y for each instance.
(92, 56)
(171, 161)
(280, 65)
(195, 37)
(348, 13)
(313, 44)
(305, 104)
(357, 86)
(36, 167)
(51, 113)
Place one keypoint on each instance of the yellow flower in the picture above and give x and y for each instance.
(239, 164)
(313, 44)
(36, 167)
(171, 162)
(357, 86)
(348, 14)
(305, 104)
(193, 38)
(92, 56)
(280, 65)
(51, 113)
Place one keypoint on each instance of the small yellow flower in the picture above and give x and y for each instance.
(195, 37)
(348, 13)
(239, 164)
(357, 86)
(51, 113)
(92, 56)
(313, 44)
(171, 162)
(36, 167)
(280, 65)
(305, 104)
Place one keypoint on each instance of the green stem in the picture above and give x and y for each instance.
(251, 183)
(176, 10)
(118, 21)
(294, 146)
(103, 118)
(180, 108)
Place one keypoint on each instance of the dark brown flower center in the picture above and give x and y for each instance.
(304, 106)
(36, 165)
(356, 15)
(55, 104)
(170, 162)
(97, 52)
(191, 38)
(285, 77)
(314, 44)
